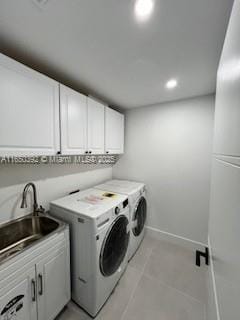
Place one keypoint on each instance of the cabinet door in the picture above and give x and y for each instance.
(29, 113)
(73, 110)
(53, 285)
(114, 131)
(18, 299)
(95, 127)
(227, 113)
(225, 236)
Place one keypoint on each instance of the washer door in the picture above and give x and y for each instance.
(139, 216)
(114, 246)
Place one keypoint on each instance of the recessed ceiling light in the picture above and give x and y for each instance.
(171, 84)
(143, 9)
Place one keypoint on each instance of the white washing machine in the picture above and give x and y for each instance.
(138, 208)
(99, 228)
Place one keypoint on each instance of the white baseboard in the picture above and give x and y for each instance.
(173, 238)
(213, 283)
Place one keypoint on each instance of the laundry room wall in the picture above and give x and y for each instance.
(52, 181)
(168, 146)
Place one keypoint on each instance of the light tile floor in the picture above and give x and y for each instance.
(161, 283)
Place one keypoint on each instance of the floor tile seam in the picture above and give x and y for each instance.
(174, 289)
(135, 287)
(169, 286)
(141, 272)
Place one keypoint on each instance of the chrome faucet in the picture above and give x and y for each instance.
(36, 209)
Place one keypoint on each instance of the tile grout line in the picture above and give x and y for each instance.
(162, 283)
(137, 283)
(175, 289)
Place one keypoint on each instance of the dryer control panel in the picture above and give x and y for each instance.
(119, 208)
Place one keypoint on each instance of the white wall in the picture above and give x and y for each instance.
(52, 182)
(169, 147)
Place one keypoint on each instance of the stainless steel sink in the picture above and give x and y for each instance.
(19, 234)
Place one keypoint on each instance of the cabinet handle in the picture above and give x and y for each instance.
(86, 152)
(33, 284)
(107, 152)
(90, 152)
(40, 284)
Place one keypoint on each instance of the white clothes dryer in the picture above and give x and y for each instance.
(138, 208)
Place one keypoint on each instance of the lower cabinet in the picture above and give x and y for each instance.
(18, 300)
(40, 291)
(53, 286)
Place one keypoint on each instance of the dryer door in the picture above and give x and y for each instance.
(114, 247)
(139, 217)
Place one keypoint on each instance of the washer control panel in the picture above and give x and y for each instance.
(105, 219)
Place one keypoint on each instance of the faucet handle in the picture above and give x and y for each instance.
(40, 210)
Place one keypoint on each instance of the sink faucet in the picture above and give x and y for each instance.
(36, 209)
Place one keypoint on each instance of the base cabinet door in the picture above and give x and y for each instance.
(18, 298)
(53, 285)
(114, 131)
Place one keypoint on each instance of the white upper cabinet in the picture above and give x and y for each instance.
(227, 115)
(82, 123)
(29, 111)
(73, 111)
(114, 131)
(95, 127)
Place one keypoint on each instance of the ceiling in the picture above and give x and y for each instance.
(98, 46)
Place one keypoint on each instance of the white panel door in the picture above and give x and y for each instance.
(224, 233)
(18, 298)
(29, 112)
(73, 110)
(53, 285)
(114, 131)
(95, 127)
(227, 113)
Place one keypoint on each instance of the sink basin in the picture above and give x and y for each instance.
(16, 235)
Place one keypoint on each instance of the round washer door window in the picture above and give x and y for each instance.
(140, 216)
(114, 246)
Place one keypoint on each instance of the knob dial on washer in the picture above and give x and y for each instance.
(117, 210)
